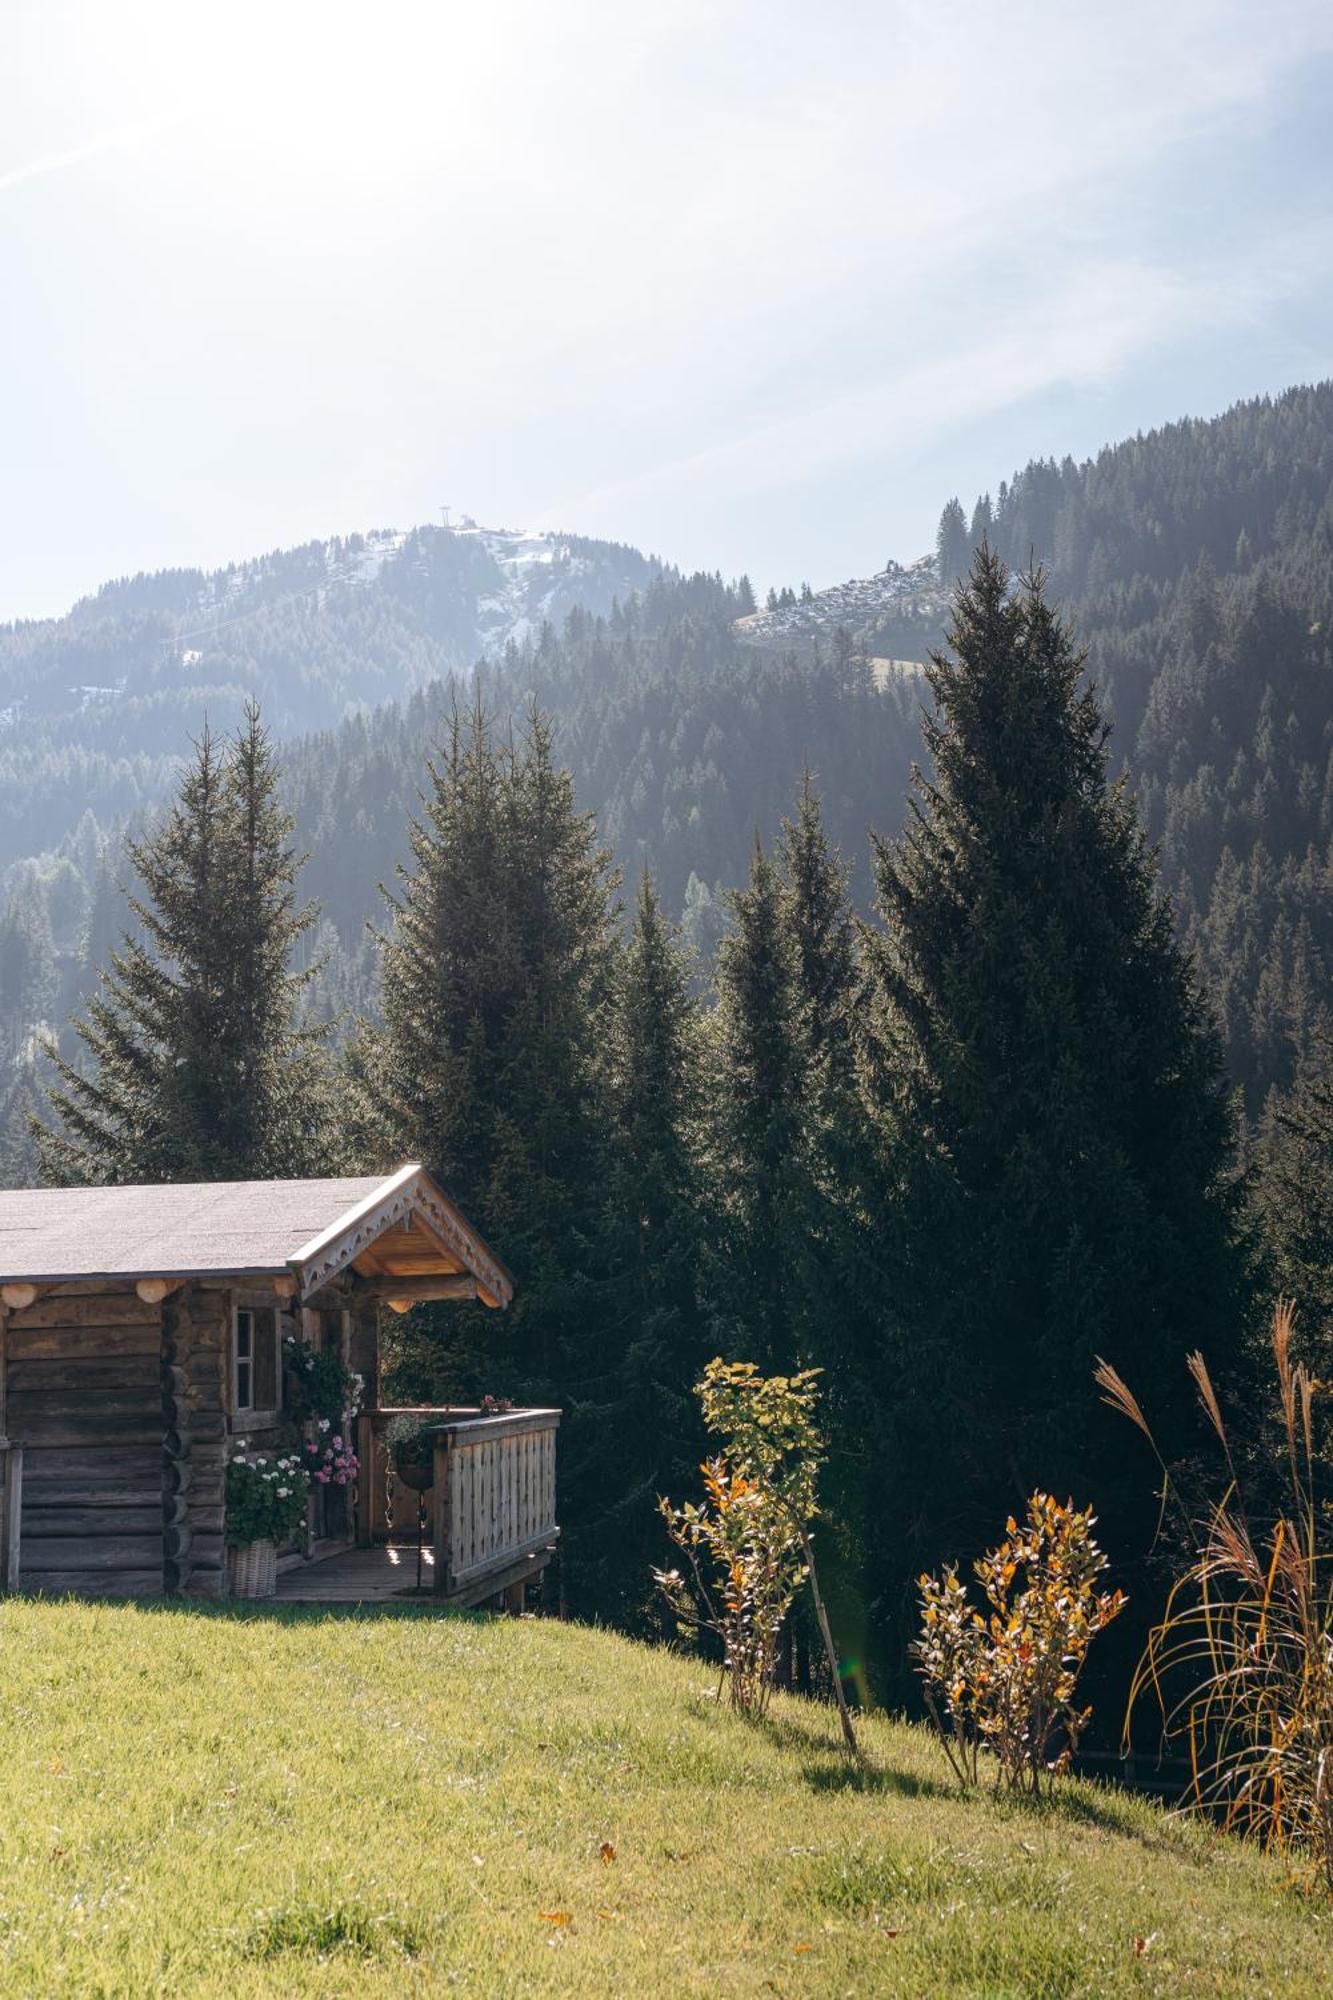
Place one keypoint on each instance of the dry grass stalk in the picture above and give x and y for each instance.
(1241, 1663)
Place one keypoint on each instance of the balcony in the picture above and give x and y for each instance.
(484, 1529)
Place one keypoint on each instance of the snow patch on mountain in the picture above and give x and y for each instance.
(900, 587)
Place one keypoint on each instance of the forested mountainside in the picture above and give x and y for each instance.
(96, 708)
(685, 743)
(1196, 562)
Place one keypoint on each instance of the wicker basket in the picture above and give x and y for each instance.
(253, 1570)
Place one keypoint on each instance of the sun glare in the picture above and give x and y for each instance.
(299, 99)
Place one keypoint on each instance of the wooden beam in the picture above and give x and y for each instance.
(18, 1297)
(285, 1287)
(153, 1290)
(403, 1292)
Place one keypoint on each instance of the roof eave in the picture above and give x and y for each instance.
(321, 1259)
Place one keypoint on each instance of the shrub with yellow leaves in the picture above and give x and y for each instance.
(1003, 1680)
(754, 1528)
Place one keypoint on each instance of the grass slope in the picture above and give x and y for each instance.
(391, 1805)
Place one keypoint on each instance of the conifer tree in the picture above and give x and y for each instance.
(20, 1104)
(823, 928)
(760, 1153)
(841, 1270)
(497, 977)
(194, 1063)
(841, 1276)
(647, 1424)
(1050, 1092)
(953, 544)
(1296, 1194)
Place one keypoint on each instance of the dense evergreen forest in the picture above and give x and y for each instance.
(1196, 563)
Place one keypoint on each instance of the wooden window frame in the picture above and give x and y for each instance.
(255, 1307)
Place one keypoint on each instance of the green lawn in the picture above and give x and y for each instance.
(398, 1804)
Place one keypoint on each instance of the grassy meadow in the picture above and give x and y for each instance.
(205, 1802)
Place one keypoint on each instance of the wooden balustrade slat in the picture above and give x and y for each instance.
(497, 1494)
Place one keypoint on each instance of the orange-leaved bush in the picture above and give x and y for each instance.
(754, 1528)
(1002, 1680)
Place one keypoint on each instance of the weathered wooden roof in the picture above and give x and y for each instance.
(311, 1229)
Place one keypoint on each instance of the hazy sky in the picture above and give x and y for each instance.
(753, 286)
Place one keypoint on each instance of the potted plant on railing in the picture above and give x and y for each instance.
(409, 1443)
(266, 1503)
(409, 1451)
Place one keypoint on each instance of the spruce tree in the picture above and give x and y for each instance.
(194, 1064)
(655, 1337)
(840, 1271)
(497, 977)
(1056, 1128)
(953, 545)
(819, 914)
(760, 1155)
(1296, 1194)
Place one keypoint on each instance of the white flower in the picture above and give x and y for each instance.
(324, 1424)
(283, 1492)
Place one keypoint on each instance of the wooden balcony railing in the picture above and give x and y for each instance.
(494, 1498)
(490, 1511)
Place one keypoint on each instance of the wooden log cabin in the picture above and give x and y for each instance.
(142, 1334)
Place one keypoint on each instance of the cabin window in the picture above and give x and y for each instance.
(255, 1361)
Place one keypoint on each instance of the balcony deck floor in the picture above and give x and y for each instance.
(359, 1576)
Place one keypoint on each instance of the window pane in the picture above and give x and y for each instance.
(266, 1359)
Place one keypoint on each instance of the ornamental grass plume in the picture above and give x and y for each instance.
(1241, 1663)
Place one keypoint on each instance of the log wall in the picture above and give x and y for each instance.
(83, 1395)
(195, 1331)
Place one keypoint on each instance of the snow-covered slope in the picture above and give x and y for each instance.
(315, 632)
(500, 584)
(911, 589)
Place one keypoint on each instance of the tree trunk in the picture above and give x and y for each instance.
(844, 1713)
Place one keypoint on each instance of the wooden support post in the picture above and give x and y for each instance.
(516, 1598)
(442, 1515)
(365, 1451)
(11, 1513)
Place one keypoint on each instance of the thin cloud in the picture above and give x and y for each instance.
(1106, 316)
(119, 139)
